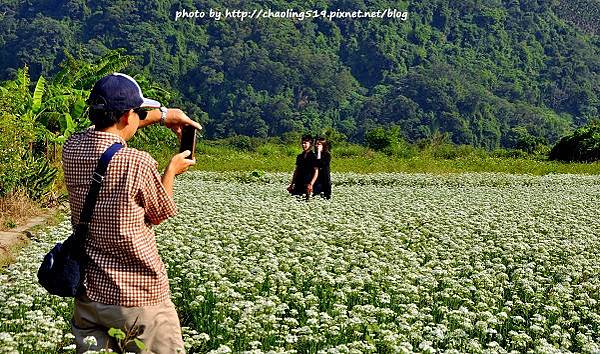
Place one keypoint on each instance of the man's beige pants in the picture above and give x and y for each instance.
(158, 326)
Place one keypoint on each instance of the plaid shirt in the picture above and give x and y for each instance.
(124, 267)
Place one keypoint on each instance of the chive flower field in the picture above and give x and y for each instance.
(393, 263)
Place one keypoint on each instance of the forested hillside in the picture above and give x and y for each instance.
(584, 14)
(488, 72)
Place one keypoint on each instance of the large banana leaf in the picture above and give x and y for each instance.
(38, 93)
(78, 110)
(67, 126)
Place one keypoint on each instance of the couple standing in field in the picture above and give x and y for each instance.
(312, 173)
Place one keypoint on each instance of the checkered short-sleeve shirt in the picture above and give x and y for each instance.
(124, 266)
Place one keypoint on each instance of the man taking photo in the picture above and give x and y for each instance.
(126, 283)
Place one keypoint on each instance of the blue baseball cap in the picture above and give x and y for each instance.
(118, 92)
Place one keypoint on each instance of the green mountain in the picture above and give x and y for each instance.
(486, 72)
(584, 14)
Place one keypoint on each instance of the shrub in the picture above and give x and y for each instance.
(451, 152)
(19, 168)
(243, 143)
(38, 178)
(269, 149)
(350, 150)
(17, 136)
(509, 153)
(401, 150)
(389, 141)
(583, 145)
(520, 138)
(380, 138)
(289, 150)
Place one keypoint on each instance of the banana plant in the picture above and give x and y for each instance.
(49, 114)
(59, 104)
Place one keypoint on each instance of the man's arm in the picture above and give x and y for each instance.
(175, 120)
(154, 196)
(168, 178)
(309, 188)
(178, 164)
(156, 192)
(290, 188)
(152, 117)
(294, 176)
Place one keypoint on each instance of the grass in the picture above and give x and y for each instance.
(15, 209)
(12, 245)
(354, 158)
(240, 153)
(8, 252)
(269, 156)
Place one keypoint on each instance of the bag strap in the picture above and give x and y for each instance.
(97, 178)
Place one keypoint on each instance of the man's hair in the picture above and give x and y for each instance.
(104, 119)
(307, 138)
(99, 115)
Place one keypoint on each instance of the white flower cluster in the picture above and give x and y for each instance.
(31, 321)
(394, 263)
(483, 263)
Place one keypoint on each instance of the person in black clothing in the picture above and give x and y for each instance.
(306, 171)
(323, 158)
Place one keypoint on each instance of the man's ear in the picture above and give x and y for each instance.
(124, 120)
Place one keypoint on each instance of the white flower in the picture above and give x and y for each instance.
(467, 263)
(90, 341)
(223, 349)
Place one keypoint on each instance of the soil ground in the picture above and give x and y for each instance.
(11, 242)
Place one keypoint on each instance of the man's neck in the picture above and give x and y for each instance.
(113, 130)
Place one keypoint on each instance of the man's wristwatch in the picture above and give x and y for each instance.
(163, 115)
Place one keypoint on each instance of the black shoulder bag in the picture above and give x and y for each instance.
(63, 268)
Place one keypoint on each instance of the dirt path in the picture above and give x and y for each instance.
(12, 241)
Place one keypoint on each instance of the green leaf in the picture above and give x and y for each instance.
(140, 344)
(78, 110)
(60, 139)
(116, 333)
(38, 93)
(67, 123)
(143, 136)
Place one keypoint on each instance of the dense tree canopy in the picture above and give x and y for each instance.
(487, 72)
